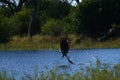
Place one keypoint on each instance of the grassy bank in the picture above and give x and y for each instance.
(50, 42)
(87, 74)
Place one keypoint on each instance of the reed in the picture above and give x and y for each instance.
(94, 73)
(51, 42)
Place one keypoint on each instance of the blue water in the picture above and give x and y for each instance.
(26, 62)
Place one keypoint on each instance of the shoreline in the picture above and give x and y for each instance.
(52, 43)
(26, 49)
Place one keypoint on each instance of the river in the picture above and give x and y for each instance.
(26, 62)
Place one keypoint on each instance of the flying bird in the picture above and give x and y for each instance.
(64, 47)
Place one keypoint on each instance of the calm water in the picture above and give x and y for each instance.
(26, 62)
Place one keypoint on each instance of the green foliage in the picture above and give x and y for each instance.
(58, 10)
(5, 32)
(19, 22)
(5, 11)
(71, 20)
(53, 9)
(54, 27)
(5, 29)
(90, 17)
(96, 16)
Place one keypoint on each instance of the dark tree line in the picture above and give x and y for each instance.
(96, 17)
(54, 17)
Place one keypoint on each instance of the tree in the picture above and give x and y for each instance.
(12, 4)
(5, 32)
(32, 21)
(95, 17)
(77, 1)
(89, 18)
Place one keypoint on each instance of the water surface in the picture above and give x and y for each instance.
(26, 62)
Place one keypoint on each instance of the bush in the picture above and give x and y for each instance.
(19, 22)
(5, 32)
(54, 27)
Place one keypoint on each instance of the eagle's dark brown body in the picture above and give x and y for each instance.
(64, 46)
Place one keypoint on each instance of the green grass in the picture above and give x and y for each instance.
(91, 74)
(50, 42)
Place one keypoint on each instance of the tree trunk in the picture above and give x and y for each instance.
(32, 20)
(13, 5)
(77, 1)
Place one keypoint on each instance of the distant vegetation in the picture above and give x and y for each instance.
(92, 18)
(39, 42)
